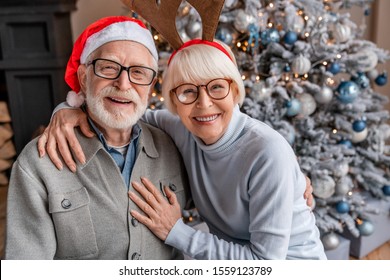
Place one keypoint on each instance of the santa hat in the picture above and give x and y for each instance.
(105, 30)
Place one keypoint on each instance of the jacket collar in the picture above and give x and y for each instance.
(92, 145)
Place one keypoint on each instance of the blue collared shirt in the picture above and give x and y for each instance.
(125, 162)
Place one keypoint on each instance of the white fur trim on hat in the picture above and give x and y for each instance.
(126, 30)
(74, 99)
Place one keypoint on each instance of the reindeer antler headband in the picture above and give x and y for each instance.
(161, 14)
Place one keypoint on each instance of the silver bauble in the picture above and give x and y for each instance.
(194, 29)
(301, 65)
(260, 91)
(242, 21)
(367, 60)
(330, 241)
(342, 32)
(183, 35)
(308, 104)
(343, 185)
(341, 168)
(313, 206)
(324, 96)
(323, 187)
(225, 34)
(230, 4)
(298, 24)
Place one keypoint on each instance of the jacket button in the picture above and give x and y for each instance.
(66, 204)
(172, 187)
(136, 256)
(134, 222)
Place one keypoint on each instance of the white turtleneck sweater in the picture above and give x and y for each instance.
(248, 188)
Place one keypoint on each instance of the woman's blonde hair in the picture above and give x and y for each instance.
(200, 63)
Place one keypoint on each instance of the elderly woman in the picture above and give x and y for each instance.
(245, 179)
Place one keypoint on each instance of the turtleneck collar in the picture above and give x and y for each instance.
(233, 132)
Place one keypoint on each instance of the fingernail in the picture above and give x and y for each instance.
(73, 168)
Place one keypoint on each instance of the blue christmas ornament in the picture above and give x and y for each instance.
(342, 207)
(381, 80)
(290, 37)
(253, 35)
(346, 142)
(293, 107)
(347, 91)
(359, 125)
(224, 34)
(269, 35)
(366, 228)
(334, 68)
(386, 190)
(362, 80)
(287, 68)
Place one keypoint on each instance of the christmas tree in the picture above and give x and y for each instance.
(310, 76)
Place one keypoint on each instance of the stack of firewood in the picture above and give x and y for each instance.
(7, 147)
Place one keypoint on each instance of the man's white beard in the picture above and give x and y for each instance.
(117, 119)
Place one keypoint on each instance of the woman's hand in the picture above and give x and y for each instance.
(161, 214)
(60, 133)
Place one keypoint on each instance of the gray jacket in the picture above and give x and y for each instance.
(55, 214)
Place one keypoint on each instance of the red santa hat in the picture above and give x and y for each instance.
(108, 29)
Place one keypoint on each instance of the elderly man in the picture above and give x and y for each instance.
(84, 214)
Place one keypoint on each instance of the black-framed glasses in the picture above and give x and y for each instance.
(111, 70)
(217, 89)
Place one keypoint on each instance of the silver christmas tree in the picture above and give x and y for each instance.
(310, 75)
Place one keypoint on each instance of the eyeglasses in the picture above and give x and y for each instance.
(111, 70)
(217, 89)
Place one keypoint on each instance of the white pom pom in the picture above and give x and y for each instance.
(75, 99)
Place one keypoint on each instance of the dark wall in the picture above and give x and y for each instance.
(35, 44)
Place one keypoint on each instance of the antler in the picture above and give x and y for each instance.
(209, 11)
(161, 14)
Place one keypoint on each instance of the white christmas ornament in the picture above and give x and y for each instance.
(260, 91)
(343, 185)
(324, 96)
(243, 20)
(359, 136)
(330, 241)
(298, 24)
(341, 168)
(367, 60)
(301, 65)
(308, 104)
(342, 32)
(324, 186)
(372, 74)
(231, 4)
(194, 29)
